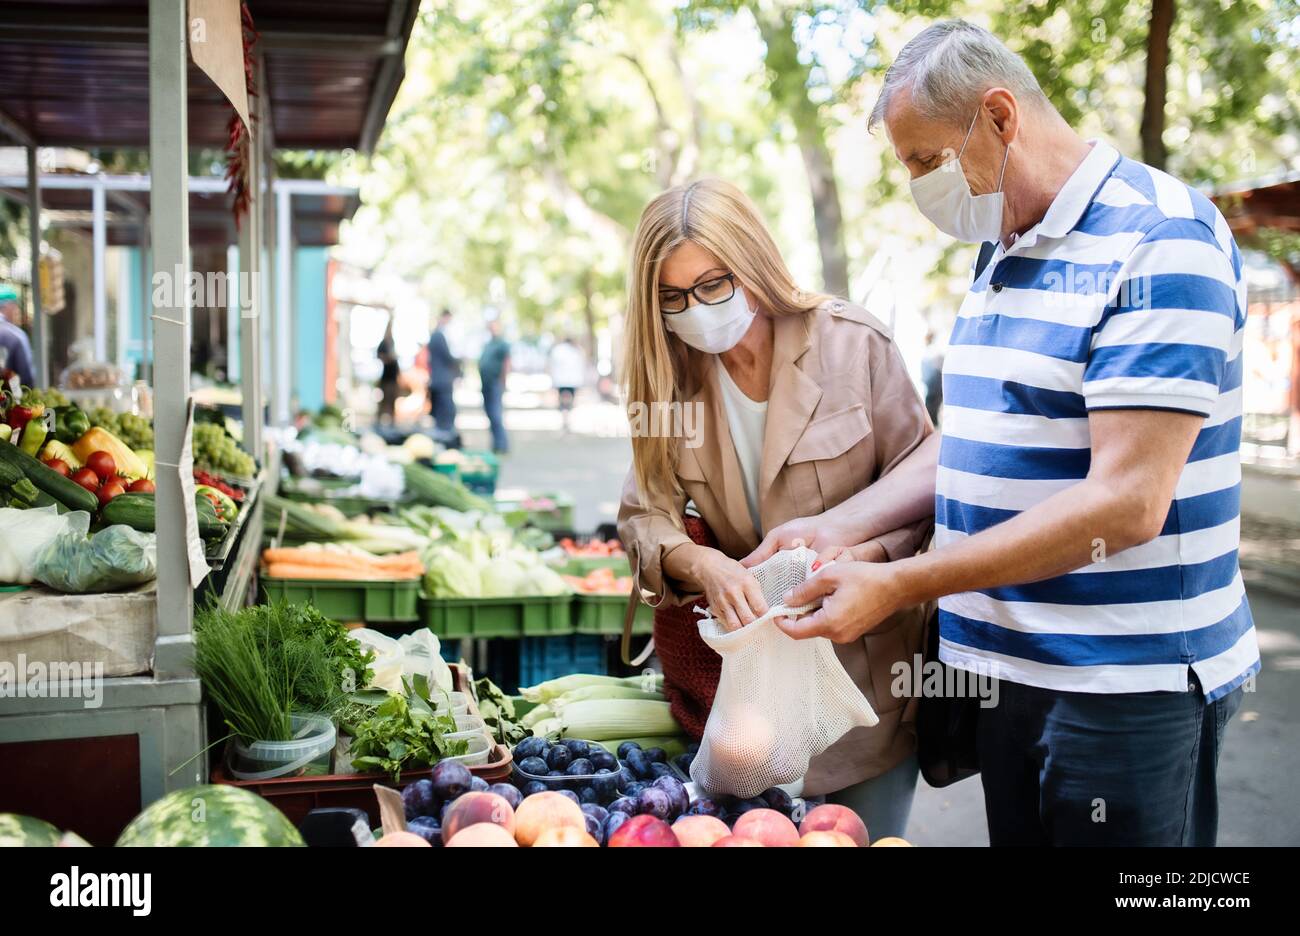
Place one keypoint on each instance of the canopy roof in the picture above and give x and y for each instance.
(76, 72)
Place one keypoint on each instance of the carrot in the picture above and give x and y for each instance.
(291, 570)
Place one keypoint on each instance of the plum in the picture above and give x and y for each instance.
(635, 787)
(623, 778)
(656, 755)
(693, 747)
(508, 793)
(534, 786)
(595, 828)
(676, 791)
(534, 766)
(588, 794)
(570, 795)
(450, 779)
(779, 800)
(478, 785)
(624, 804)
(626, 747)
(683, 763)
(580, 768)
(613, 821)
(530, 747)
(706, 807)
(418, 799)
(577, 748)
(558, 757)
(595, 809)
(605, 783)
(658, 770)
(427, 828)
(639, 764)
(653, 801)
(603, 760)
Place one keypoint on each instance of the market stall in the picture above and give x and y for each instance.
(140, 718)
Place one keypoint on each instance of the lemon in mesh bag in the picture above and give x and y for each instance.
(780, 701)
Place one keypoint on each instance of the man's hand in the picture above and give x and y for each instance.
(856, 598)
(819, 533)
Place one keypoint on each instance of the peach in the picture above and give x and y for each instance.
(482, 835)
(831, 817)
(891, 841)
(643, 832)
(827, 839)
(699, 831)
(543, 811)
(735, 841)
(472, 808)
(565, 837)
(401, 839)
(767, 827)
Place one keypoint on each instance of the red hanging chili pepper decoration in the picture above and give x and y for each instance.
(238, 155)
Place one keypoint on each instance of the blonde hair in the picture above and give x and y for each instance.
(719, 217)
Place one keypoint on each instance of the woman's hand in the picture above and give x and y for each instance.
(870, 551)
(730, 589)
(820, 533)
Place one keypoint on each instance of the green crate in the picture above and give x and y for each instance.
(581, 565)
(603, 614)
(451, 618)
(350, 600)
(560, 518)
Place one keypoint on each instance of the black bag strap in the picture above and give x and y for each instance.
(987, 250)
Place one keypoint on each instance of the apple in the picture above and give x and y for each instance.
(643, 832)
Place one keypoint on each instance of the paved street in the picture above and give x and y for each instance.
(1259, 799)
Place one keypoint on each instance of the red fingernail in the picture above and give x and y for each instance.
(816, 565)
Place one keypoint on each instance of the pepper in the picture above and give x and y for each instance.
(34, 435)
(70, 424)
(19, 416)
(5, 433)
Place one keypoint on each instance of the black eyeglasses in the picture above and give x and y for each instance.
(710, 292)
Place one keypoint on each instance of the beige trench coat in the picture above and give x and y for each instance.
(842, 411)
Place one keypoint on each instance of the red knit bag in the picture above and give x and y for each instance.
(691, 668)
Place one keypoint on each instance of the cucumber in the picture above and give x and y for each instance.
(64, 490)
(9, 474)
(138, 511)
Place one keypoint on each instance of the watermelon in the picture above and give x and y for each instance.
(23, 831)
(215, 815)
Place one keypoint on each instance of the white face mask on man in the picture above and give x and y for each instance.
(712, 329)
(943, 195)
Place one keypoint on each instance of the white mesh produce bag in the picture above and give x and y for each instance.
(780, 701)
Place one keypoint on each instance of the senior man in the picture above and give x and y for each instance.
(1088, 474)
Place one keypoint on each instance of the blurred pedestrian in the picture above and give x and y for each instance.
(493, 366)
(388, 376)
(15, 348)
(444, 368)
(568, 367)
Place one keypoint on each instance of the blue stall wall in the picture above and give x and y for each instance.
(129, 258)
(310, 284)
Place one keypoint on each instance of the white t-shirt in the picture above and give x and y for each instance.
(747, 420)
(568, 365)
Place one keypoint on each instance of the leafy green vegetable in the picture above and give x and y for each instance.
(402, 732)
(498, 711)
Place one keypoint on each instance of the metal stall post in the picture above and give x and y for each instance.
(250, 268)
(170, 214)
(99, 280)
(234, 299)
(40, 342)
(284, 305)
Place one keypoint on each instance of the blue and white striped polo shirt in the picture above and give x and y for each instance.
(1128, 294)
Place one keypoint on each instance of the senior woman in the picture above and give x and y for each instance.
(797, 401)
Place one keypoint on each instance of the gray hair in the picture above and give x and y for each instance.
(948, 66)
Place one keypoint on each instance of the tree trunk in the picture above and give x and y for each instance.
(1156, 88)
(788, 83)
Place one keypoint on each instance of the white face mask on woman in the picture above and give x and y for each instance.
(712, 329)
(943, 195)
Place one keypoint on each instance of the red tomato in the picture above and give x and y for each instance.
(87, 479)
(110, 491)
(59, 465)
(141, 486)
(102, 464)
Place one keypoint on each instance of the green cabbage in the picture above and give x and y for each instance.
(448, 574)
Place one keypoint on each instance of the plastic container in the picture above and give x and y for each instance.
(479, 472)
(566, 782)
(452, 618)
(581, 565)
(307, 754)
(480, 752)
(343, 600)
(468, 726)
(544, 658)
(603, 614)
(457, 700)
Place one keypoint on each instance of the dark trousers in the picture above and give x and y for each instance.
(1078, 768)
(443, 408)
(492, 392)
